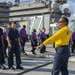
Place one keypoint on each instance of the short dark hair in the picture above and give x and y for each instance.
(34, 30)
(24, 26)
(9, 23)
(14, 22)
(65, 19)
(43, 28)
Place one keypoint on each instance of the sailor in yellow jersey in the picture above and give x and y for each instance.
(61, 39)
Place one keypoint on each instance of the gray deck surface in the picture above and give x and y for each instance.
(40, 64)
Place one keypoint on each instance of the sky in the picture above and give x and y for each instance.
(11, 0)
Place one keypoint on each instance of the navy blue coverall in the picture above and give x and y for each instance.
(2, 61)
(13, 36)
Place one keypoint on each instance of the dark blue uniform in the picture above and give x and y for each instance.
(61, 60)
(2, 61)
(13, 36)
(5, 43)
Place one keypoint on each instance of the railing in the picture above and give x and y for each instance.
(4, 10)
(4, 15)
(4, 19)
(27, 1)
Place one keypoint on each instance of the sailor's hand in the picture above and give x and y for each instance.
(9, 45)
(72, 42)
(39, 47)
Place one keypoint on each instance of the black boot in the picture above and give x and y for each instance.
(2, 67)
(12, 68)
(19, 67)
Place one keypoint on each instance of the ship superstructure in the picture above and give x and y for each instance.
(37, 14)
